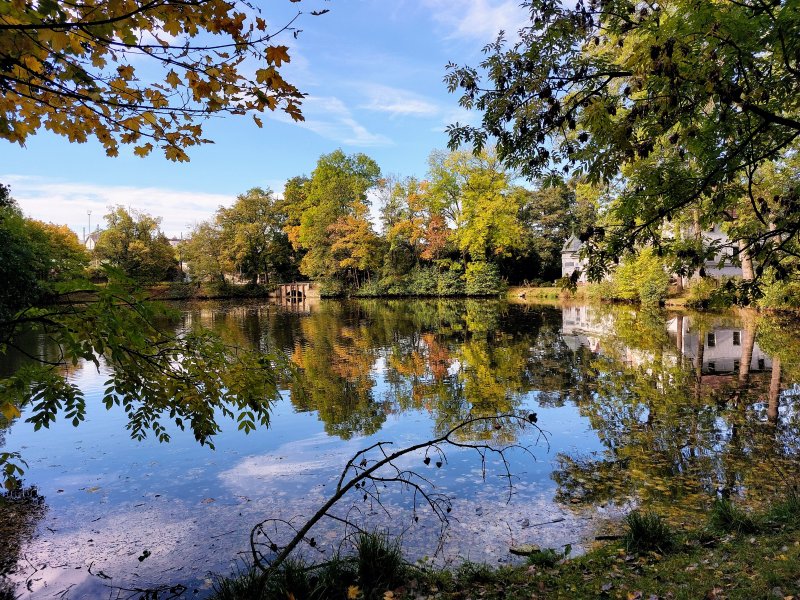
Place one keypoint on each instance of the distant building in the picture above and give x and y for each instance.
(723, 264)
(571, 259)
(91, 240)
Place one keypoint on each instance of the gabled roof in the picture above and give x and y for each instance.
(573, 244)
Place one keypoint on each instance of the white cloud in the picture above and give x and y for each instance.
(398, 102)
(328, 117)
(67, 202)
(479, 19)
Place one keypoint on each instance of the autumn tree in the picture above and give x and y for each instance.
(337, 189)
(673, 101)
(133, 242)
(253, 238)
(142, 72)
(476, 195)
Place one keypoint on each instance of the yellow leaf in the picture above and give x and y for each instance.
(258, 121)
(277, 54)
(173, 79)
(149, 117)
(10, 411)
(143, 150)
(388, 595)
(353, 592)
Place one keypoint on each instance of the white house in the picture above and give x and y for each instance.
(723, 264)
(571, 260)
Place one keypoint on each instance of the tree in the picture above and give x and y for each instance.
(253, 238)
(133, 242)
(141, 72)
(674, 101)
(203, 253)
(550, 215)
(62, 256)
(475, 193)
(337, 189)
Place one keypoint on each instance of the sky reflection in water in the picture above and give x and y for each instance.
(640, 408)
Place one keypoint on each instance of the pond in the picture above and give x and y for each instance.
(639, 408)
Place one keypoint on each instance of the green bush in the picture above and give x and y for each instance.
(779, 294)
(450, 283)
(641, 277)
(423, 281)
(726, 517)
(647, 532)
(483, 279)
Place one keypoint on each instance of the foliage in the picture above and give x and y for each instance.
(646, 532)
(188, 378)
(253, 238)
(551, 214)
(333, 199)
(726, 517)
(133, 242)
(204, 254)
(483, 279)
(18, 264)
(675, 106)
(140, 72)
(641, 277)
(779, 294)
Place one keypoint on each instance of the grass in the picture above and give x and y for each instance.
(647, 532)
(724, 560)
(376, 566)
(726, 517)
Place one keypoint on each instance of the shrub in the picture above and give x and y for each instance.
(379, 562)
(423, 281)
(647, 532)
(642, 277)
(726, 517)
(483, 279)
(779, 294)
(450, 283)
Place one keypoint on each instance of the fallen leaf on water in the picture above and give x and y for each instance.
(353, 592)
(207, 500)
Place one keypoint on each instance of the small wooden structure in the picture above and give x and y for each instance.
(296, 291)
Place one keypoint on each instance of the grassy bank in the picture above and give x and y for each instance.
(734, 555)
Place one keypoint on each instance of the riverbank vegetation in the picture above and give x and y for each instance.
(732, 555)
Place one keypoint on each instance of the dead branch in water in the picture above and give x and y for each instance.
(375, 467)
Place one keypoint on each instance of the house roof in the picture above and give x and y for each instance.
(573, 244)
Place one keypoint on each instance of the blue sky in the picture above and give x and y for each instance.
(373, 71)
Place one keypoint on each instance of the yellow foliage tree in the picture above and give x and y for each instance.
(141, 72)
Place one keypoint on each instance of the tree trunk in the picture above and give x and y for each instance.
(774, 392)
(747, 347)
(698, 365)
(746, 260)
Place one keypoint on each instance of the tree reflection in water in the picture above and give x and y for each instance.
(687, 406)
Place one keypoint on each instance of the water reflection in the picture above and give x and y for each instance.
(643, 408)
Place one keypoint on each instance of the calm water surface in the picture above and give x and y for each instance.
(639, 408)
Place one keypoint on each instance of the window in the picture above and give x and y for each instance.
(737, 338)
(761, 364)
(736, 365)
(711, 340)
(712, 367)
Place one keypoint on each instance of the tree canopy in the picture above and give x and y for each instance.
(676, 104)
(142, 72)
(133, 242)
